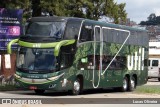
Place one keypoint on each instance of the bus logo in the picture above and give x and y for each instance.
(135, 62)
(33, 81)
(37, 45)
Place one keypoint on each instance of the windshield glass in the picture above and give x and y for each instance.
(51, 29)
(36, 60)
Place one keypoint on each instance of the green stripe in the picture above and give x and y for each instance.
(9, 50)
(57, 45)
(33, 83)
(37, 45)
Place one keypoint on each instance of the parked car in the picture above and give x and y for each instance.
(154, 68)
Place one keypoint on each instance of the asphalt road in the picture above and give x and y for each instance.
(95, 98)
(153, 81)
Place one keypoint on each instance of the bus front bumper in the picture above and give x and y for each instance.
(33, 84)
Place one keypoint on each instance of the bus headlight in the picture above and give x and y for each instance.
(17, 76)
(55, 77)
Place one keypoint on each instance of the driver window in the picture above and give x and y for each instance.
(86, 33)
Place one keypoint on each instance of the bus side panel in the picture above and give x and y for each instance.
(115, 73)
(84, 63)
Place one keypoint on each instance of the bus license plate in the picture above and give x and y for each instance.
(32, 87)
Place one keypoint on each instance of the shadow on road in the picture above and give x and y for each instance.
(153, 80)
(54, 94)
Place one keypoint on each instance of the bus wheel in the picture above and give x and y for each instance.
(125, 84)
(132, 84)
(39, 92)
(76, 87)
(158, 79)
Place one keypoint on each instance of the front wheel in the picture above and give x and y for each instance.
(158, 79)
(76, 87)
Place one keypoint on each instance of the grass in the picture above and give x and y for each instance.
(154, 89)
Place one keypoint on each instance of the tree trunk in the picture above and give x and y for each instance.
(36, 8)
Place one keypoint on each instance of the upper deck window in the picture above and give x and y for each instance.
(51, 29)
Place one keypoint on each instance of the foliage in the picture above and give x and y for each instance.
(148, 89)
(91, 9)
(18, 4)
(8, 88)
(152, 20)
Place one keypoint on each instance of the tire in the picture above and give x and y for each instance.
(132, 84)
(125, 84)
(77, 88)
(39, 92)
(158, 79)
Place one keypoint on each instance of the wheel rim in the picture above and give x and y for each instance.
(132, 84)
(76, 86)
(125, 84)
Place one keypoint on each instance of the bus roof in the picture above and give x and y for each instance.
(52, 18)
(112, 25)
(57, 18)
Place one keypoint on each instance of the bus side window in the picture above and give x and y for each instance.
(66, 60)
(118, 63)
(97, 34)
(146, 62)
(86, 33)
(72, 29)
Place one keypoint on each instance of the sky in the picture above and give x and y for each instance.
(139, 10)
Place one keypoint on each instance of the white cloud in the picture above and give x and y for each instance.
(139, 10)
(157, 11)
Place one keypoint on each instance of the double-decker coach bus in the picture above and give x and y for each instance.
(75, 54)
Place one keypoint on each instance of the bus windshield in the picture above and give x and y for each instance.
(43, 29)
(36, 60)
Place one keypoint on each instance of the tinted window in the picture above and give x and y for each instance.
(154, 62)
(146, 62)
(86, 32)
(97, 33)
(72, 29)
(118, 63)
(149, 62)
(52, 29)
(116, 36)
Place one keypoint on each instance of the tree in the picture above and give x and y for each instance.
(18, 4)
(152, 17)
(36, 9)
(152, 20)
(91, 9)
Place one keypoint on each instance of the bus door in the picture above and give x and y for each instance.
(97, 57)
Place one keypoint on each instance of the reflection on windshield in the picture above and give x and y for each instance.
(36, 59)
(52, 29)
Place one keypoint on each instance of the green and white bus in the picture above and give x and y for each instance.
(75, 54)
